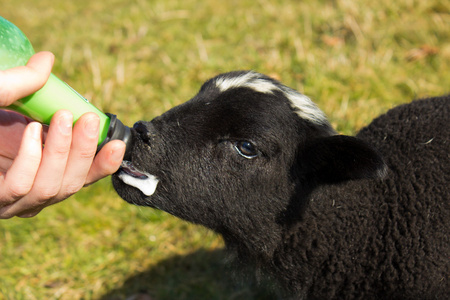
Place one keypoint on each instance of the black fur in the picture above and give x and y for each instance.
(329, 216)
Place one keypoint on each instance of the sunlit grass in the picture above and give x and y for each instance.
(136, 59)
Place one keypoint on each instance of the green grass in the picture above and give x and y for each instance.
(355, 59)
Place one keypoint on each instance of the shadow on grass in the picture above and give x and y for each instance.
(200, 275)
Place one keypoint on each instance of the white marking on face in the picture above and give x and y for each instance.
(303, 106)
(250, 80)
(146, 185)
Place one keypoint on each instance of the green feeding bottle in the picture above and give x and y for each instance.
(16, 50)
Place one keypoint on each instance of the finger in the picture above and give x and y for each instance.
(82, 152)
(22, 81)
(48, 181)
(19, 178)
(107, 161)
(55, 156)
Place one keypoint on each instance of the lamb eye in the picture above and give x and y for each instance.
(246, 149)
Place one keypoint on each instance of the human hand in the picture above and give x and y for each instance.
(33, 177)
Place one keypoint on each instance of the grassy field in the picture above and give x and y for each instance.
(355, 59)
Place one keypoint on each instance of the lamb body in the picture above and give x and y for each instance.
(382, 238)
(328, 216)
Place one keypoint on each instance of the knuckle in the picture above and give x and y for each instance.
(60, 151)
(41, 201)
(34, 159)
(17, 191)
(48, 193)
(87, 154)
(7, 201)
(6, 215)
(29, 214)
(6, 96)
(69, 190)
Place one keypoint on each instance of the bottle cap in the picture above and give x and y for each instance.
(118, 131)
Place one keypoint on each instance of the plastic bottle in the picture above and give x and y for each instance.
(16, 50)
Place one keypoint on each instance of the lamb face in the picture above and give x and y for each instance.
(229, 149)
(228, 158)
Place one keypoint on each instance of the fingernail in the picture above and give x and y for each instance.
(65, 124)
(36, 130)
(52, 58)
(92, 125)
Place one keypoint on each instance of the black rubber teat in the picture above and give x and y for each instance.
(118, 131)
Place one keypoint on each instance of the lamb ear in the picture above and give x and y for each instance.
(339, 158)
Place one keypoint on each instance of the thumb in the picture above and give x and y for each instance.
(18, 82)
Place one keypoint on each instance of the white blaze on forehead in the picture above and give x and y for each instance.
(250, 79)
(303, 106)
(147, 185)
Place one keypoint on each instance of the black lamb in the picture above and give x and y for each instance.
(329, 216)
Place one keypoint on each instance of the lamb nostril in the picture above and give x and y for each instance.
(142, 129)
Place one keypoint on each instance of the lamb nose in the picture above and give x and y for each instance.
(143, 130)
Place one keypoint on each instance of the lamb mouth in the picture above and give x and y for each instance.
(143, 181)
(129, 169)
